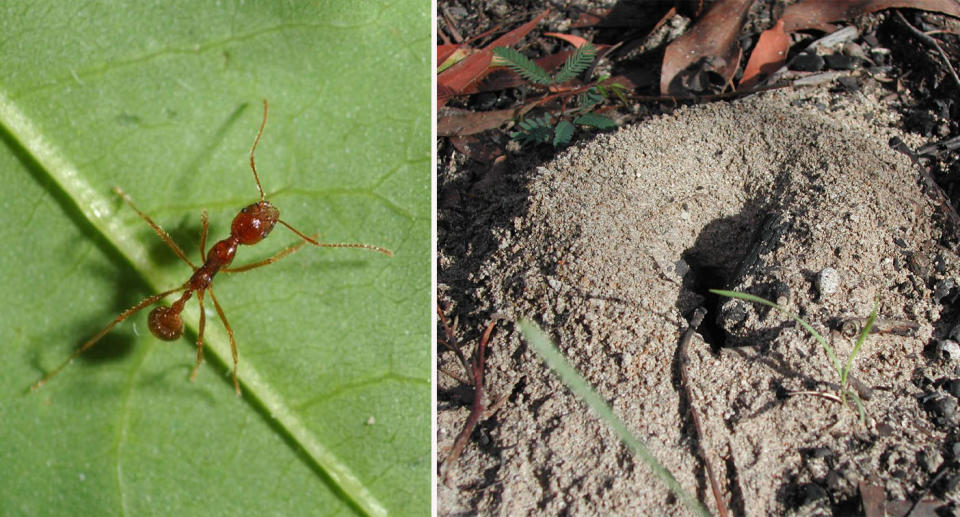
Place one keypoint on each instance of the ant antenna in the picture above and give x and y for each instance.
(254, 148)
(378, 249)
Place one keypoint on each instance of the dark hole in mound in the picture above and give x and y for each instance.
(712, 262)
(701, 279)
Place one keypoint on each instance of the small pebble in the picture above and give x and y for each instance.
(834, 480)
(853, 50)
(813, 492)
(828, 281)
(930, 459)
(943, 288)
(849, 84)
(951, 484)
(807, 63)
(884, 429)
(554, 283)
(940, 263)
(457, 11)
(841, 62)
(944, 409)
(820, 452)
(781, 292)
(948, 350)
(953, 387)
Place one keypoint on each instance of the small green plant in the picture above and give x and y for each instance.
(843, 371)
(558, 131)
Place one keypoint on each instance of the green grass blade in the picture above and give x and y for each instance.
(579, 386)
(860, 340)
(794, 317)
(859, 403)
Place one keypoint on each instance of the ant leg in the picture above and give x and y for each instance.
(233, 342)
(282, 253)
(378, 249)
(203, 321)
(92, 341)
(156, 228)
(203, 235)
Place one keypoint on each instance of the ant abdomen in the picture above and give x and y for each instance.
(165, 323)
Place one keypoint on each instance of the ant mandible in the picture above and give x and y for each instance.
(250, 226)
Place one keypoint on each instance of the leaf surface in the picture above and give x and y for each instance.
(164, 101)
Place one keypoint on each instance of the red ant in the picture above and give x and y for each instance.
(250, 226)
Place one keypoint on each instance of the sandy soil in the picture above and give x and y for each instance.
(611, 246)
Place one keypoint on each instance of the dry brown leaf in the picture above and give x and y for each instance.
(767, 57)
(710, 46)
(635, 15)
(815, 14)
(456, 79)
(458, 122)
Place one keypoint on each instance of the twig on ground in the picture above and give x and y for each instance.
(695, 322)
(474, 369)
(922, 36)
(451, 26)
(930, 185)
(937, 148)
(823, 394)
(499, 403)
(926, 489)
(453, 375)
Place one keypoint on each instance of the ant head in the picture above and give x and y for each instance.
(254, 222)
(165, 323)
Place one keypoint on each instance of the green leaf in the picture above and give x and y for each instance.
(579, 61)
(594, 120)
(620, 92)
(534, 130)
(562, 133)
(163, 100)
(591, 97)
(523, 65)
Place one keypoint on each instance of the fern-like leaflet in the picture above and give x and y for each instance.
(523, 65)
(579, 61)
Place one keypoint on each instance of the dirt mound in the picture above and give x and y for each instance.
(779, 196)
